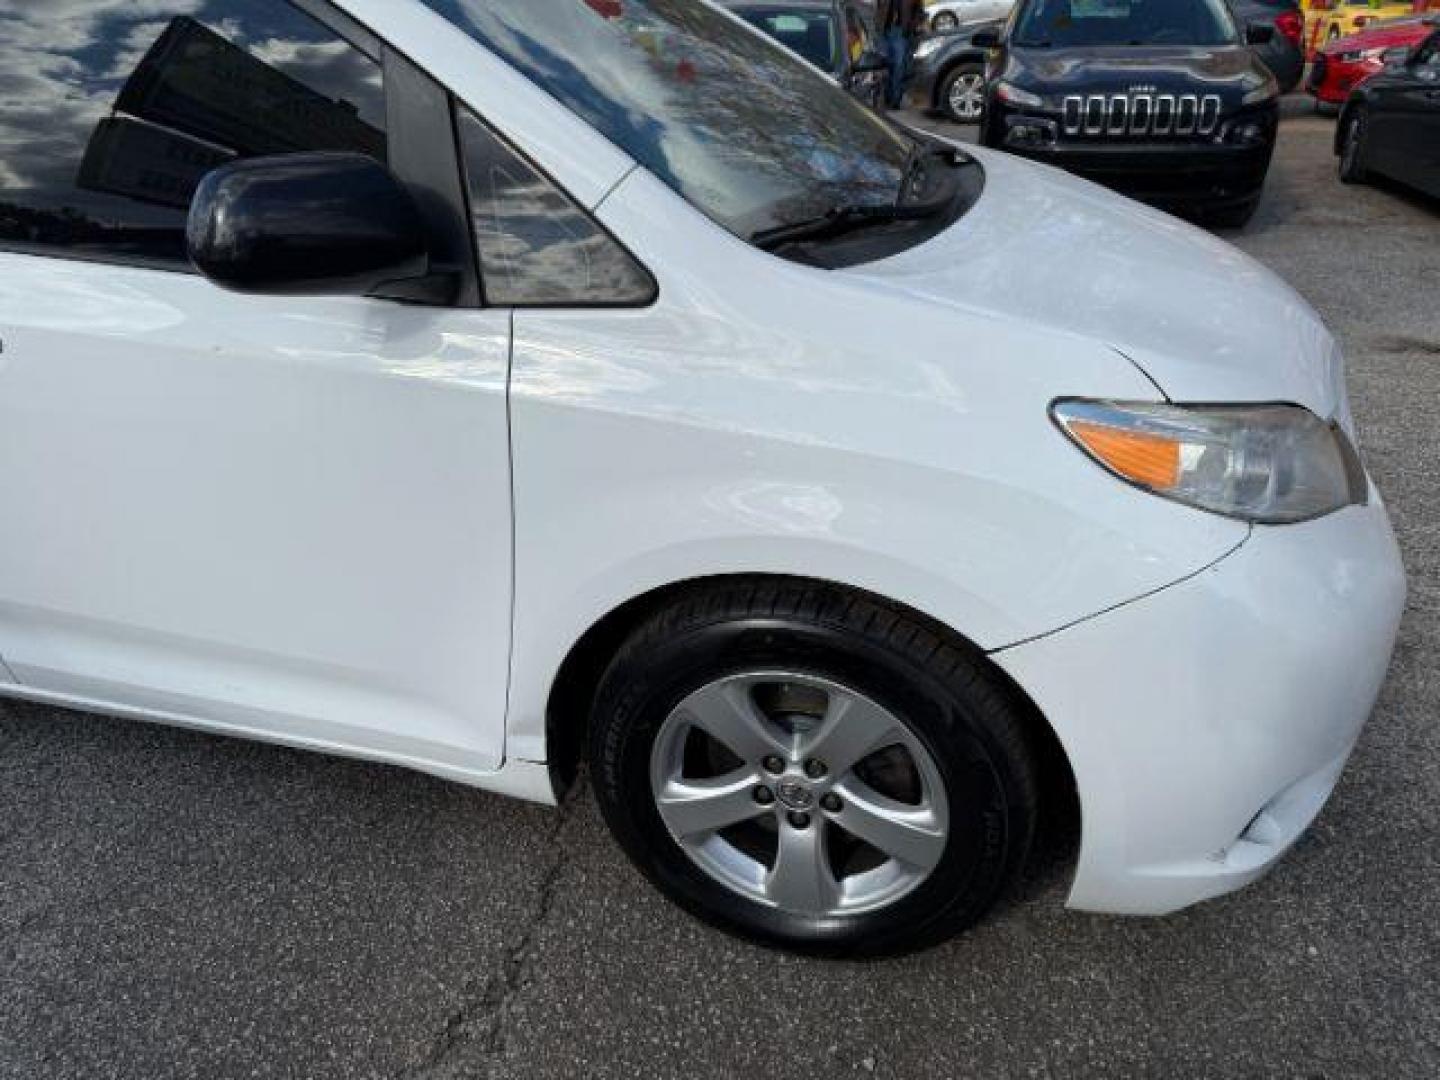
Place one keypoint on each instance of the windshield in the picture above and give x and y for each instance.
(732, 121)
(812, 34)
(1064, 24)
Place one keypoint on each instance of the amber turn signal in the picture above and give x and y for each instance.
(1152, 460)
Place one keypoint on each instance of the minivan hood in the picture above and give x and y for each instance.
(1202, 319)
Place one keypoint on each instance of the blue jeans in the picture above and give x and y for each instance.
(897, 51)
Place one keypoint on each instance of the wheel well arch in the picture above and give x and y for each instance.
(567, 714)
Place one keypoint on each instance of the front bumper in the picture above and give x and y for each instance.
(1187, 174)
(1208, 723)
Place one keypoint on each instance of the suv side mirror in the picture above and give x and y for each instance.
(870, 61)
(311, 224)
(1259, 34)
(985, 39)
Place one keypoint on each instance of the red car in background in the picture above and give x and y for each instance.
(1344, 63)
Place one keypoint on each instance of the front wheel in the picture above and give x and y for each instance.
(1352, 150)
(1235, 216)
(813, 768)
(962, 94)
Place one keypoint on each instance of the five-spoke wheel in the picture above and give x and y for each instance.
(813, 768)
(799, 792)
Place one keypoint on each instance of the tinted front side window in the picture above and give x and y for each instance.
(731, 120)
(812, 34)
(1121, 23)
(536, 247)
(111, 112)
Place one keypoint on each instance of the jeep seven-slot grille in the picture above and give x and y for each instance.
(1118, 115)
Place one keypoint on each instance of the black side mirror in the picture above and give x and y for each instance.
(1259, 34)
(870, 61)
(311, 224)
(985, 39)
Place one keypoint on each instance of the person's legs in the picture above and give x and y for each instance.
(897, 51)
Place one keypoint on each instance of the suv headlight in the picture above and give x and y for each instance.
(1013, 95)
(1268, 464)
(1261, 90)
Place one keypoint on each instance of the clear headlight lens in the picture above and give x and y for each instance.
(1268, 464)
(1013, 95)
(1265, 90)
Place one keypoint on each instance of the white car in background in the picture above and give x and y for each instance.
(947, 16)
(492, 386)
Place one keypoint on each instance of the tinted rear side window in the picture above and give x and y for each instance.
(111, 112)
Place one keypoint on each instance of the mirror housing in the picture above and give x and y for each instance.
(986, 39)
(1259, 34)
(327, 224)
(870, 61)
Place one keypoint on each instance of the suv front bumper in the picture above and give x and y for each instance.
(1207, 724)
(1180, 174)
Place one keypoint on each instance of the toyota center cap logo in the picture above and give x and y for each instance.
(795, 795)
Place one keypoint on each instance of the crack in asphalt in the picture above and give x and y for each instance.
(480, 1017)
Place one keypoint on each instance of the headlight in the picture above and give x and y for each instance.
(928, 47)
(1269, 464)
(1265, 90)
(1363, 54)
(1013, 95)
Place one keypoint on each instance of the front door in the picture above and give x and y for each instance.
(285, 516)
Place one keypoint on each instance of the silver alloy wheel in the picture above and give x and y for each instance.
(805, 787)
(967, 97)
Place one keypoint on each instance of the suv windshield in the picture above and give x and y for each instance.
(731, 120)
(1064, 24)
(812, 34)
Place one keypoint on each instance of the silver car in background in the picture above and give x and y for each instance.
(947, 16)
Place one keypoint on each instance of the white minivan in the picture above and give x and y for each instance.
(497, 386)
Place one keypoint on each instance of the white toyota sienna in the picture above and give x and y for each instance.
(495, 386)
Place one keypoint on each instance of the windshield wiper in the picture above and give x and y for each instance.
(843, 219)
(849, 217)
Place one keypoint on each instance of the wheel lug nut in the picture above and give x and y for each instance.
(799, 820)
(774, 764)
(764, 796)
(815, 769)
(830, 803)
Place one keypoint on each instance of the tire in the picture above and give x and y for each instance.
(1236, 216)
(945, 23)
(814, 668)
(962, 94)
(1352, 149)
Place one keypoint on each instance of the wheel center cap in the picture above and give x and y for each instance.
(795, 795)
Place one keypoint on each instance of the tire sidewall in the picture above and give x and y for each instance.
(981, 850)
(1352, 168)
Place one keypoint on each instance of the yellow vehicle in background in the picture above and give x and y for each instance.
(1328, 20)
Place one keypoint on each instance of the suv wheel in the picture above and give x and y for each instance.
(962, 94)
(1352, 149)
(813, 768)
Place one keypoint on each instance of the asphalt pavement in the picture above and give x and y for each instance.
(174, 905)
